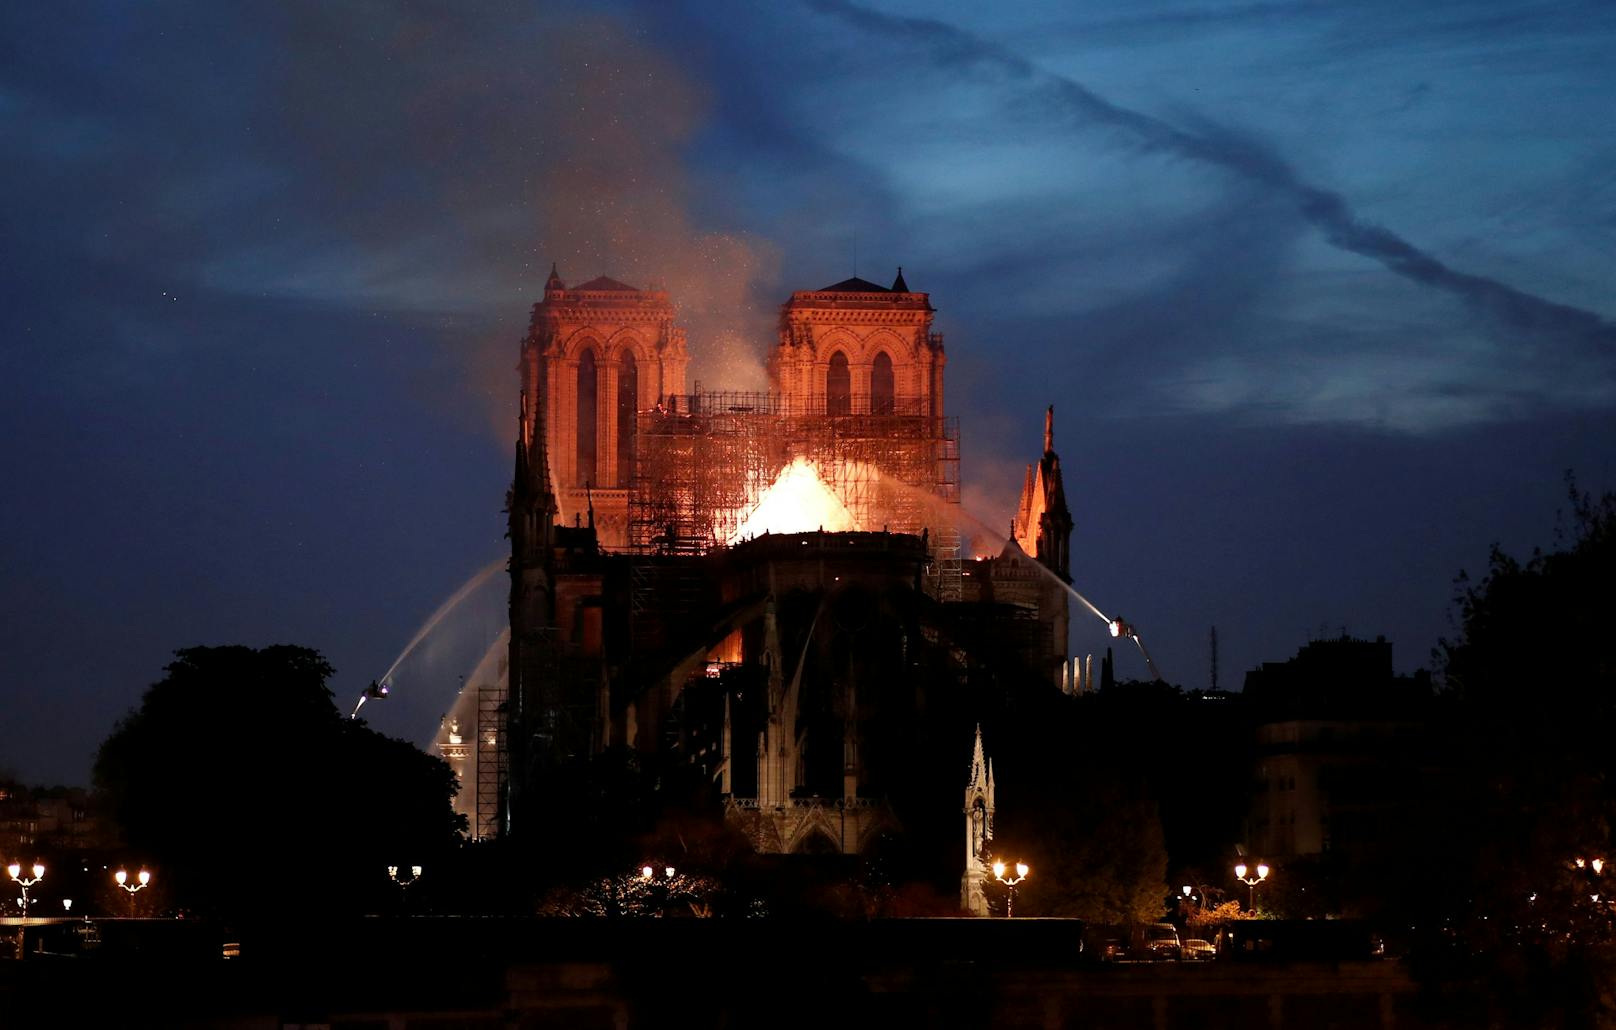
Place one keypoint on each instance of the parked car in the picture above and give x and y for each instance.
(1112, 949)
(1161, 941)
(1197, 950)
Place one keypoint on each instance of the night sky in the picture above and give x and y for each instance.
(1322, 294)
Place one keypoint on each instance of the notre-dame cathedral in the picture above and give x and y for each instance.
(806, 662)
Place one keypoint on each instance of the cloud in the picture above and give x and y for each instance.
(1583, 336)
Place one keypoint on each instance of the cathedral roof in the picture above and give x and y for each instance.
(855, 285)
(898, 285)
(606, 283)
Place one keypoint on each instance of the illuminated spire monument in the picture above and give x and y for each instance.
(980, 801)
(765, 587)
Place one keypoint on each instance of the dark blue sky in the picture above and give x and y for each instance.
(1321, 293)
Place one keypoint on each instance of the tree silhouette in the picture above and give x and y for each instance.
(250, 793)
(1527, 781)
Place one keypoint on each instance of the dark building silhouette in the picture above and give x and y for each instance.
(1337, 749)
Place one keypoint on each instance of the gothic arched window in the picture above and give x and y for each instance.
(838, 386)
(587, 378)
(881, 390)
(628, 407)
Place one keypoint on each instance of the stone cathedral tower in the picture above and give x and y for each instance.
(857, 348)
(601, 353)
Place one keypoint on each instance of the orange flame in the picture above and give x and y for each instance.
(798, 502)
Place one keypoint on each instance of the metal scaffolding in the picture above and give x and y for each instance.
(704, 460)
(493, 761)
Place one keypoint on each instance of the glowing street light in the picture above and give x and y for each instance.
(1240, 870)
(142, 878)
(1597, 865)
(1010, 882)
(15, 871)
(121, 878)
(404, 882)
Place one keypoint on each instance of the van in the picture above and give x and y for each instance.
(1161, 941)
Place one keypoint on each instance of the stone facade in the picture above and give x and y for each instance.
(858, 348)
(601, 352)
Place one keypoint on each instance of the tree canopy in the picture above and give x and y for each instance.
(241, 781)
(1523, 797)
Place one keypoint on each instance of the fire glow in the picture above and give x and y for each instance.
(799, 501)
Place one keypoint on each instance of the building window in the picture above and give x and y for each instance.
(881, 392)
(587, 379)
(838, 386)
(628, 407)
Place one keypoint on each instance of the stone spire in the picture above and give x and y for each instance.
(1043, 525)
(979, 806)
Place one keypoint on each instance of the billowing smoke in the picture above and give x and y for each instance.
(466, 148)
(614, 198)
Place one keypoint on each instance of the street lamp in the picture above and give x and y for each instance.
(1010, 882)
(1251, 881)
(404, 884)
(15, 870)
(121, 878)
(1598, 867)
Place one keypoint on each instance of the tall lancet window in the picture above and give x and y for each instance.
(587, 379)
(881, 391)
(628, 407)
(838, 386)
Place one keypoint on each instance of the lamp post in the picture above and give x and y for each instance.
(121, 878)
(1010, 882)
(404, 885)
(658, 898)
(15, 870)
(1240, 870)
(1597, 865)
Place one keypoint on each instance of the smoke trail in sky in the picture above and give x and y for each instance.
(1325, 210)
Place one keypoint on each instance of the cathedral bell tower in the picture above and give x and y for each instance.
(858, 348)
(603, 351)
